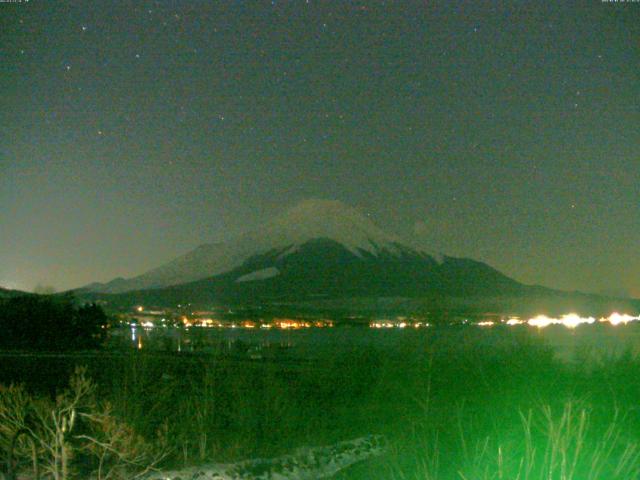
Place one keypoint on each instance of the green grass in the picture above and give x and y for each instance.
(473, 410)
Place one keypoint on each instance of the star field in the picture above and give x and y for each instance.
(504, 131)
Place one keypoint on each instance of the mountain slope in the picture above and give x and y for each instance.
(6, 293)
(325, 269)
(316, 250)
(307, 221)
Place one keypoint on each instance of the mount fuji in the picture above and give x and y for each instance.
(319, 248)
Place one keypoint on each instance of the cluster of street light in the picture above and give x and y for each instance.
(570, 320)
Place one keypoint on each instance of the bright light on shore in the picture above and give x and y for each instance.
(572, 320)
(616, 319)
(542, 321)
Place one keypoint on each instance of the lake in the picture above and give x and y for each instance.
(594, 341)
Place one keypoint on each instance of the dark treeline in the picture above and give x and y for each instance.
(50, 323)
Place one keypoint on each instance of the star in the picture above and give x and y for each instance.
(84, 28)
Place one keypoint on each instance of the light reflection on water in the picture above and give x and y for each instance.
(595, 340)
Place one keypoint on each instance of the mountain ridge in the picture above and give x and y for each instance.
(306, 221)
(323, 251)
(325, 269)
(10, 293)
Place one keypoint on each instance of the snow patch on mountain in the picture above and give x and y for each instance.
(262, 274)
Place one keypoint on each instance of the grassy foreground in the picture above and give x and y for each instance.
(469, 410)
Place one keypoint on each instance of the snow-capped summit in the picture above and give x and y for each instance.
(328, 219)
(307, 221)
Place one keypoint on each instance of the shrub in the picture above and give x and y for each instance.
(73, 434)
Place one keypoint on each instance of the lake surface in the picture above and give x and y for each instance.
(595, 342)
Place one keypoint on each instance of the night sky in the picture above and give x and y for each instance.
(508, 132)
